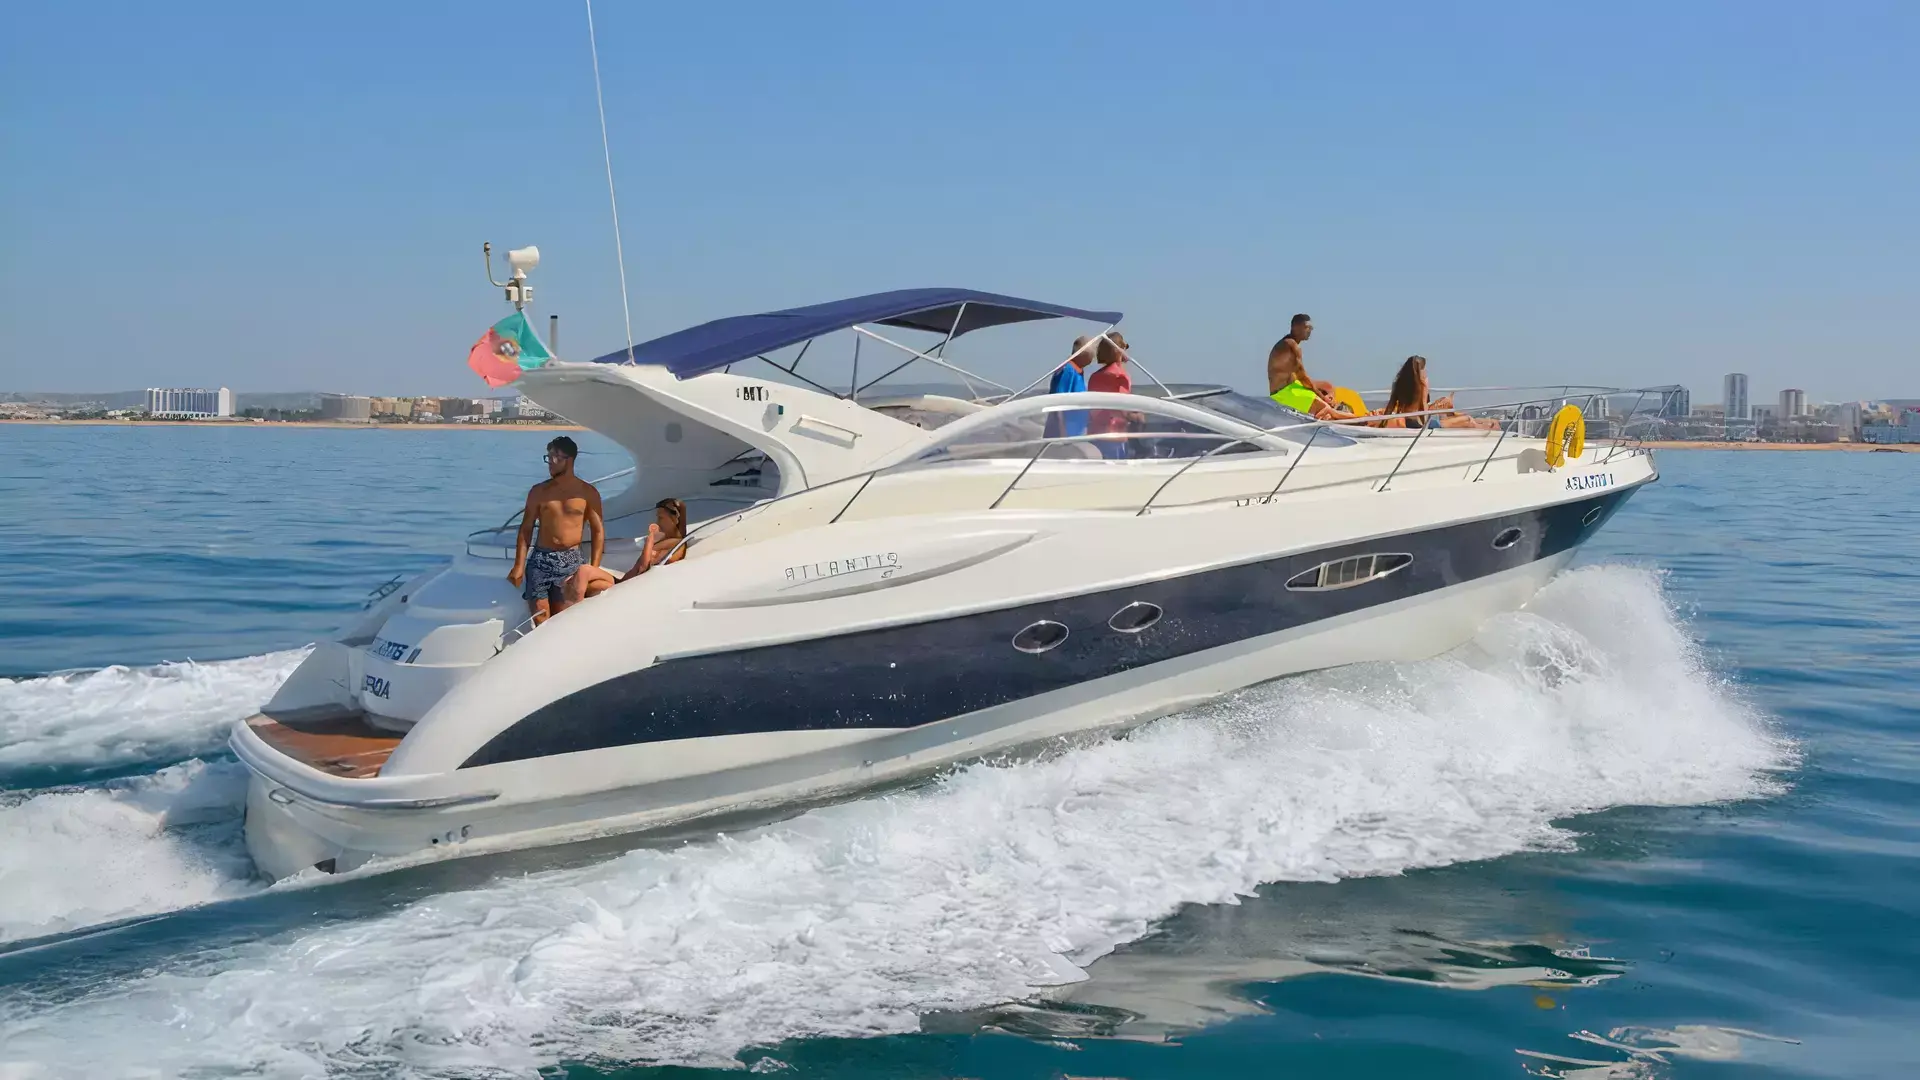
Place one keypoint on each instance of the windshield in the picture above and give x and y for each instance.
(1264, 413)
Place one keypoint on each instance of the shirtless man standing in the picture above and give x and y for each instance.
(561, 506)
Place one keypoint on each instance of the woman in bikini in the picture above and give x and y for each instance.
(1409, 395)
(665, 544)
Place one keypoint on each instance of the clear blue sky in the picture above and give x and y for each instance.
(280, 196)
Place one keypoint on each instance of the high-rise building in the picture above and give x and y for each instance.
(1792, 403)
(1848, 416)
(182, 402)
(1675, 402)
(346, 407)
(1736, 397)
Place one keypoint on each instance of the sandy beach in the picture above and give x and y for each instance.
(346, 425)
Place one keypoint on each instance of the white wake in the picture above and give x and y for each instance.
(854, 919)
(70, 858)
(121, 716)
(75, 855)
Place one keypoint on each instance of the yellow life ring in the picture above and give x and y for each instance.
(1566, 436)
(1347, 396)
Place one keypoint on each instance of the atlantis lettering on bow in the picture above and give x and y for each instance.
(885, 562)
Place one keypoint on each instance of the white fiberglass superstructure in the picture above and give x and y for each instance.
(877, 587)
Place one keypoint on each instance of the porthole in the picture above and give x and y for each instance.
(1508, 537)
(1348, 572)
(1593, 515)
(1135, 617)
(1041, 636)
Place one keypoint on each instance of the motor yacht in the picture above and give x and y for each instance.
(878, 585)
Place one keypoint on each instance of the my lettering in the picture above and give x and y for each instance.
(1589, 481)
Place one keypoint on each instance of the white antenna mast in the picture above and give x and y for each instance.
(519, 261)
(619, 252)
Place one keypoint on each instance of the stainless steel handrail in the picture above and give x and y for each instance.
(1507, 426)
(856, 496)
(1295, 464)
(1491, 453)
(1182, 471)
(867, 476)
(1504, 429)
(1622, 430)
(1404, 454)
(1017, 477)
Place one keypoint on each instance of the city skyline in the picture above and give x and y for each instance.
(1509, 193)
(1672, 400)
(1686, 395)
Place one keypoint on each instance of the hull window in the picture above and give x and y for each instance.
(1508, 538)
(1348, 572)
(1593, 515)
(1041, 636)
(1135, 617)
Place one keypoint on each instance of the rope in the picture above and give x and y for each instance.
(619, 252)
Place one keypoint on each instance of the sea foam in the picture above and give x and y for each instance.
(116, 717)
(73, 857)
(983, 887)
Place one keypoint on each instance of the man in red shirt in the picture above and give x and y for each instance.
(1112, 378)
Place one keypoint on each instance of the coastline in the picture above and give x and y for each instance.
(339, 424)
(1689, 444)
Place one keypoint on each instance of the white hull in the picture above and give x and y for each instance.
(287, 838)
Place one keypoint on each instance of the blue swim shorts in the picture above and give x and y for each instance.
(547, 570)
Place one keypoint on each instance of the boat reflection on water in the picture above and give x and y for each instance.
(1646, 1048)
(1459, 928)
(1450, 929)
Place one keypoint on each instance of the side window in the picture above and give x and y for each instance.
(1348, 572)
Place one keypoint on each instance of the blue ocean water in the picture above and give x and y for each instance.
(1662, 824)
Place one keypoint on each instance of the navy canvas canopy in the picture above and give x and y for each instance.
(712, 346)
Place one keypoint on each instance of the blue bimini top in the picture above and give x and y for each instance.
(713, 345)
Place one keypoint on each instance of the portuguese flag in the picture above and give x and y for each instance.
(506, 350)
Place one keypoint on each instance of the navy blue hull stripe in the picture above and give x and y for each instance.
(905, 676)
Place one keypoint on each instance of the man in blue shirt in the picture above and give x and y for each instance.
(1071, 379)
